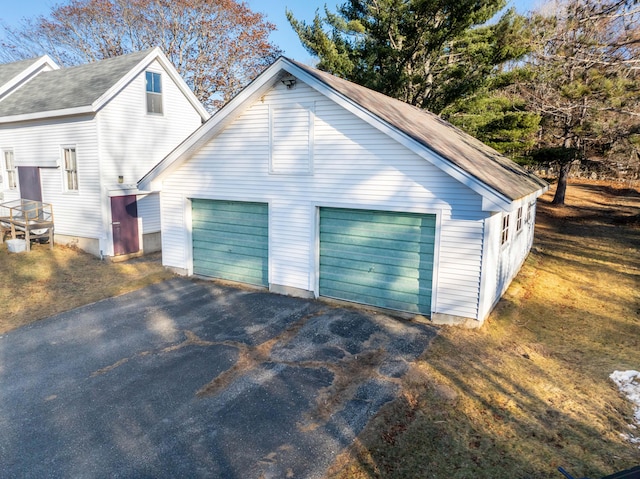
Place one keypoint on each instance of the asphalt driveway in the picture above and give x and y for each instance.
(191, 378)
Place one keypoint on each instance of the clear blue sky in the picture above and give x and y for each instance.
(12, 11)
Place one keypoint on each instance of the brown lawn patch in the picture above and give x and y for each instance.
(529, 391)
(44, 282)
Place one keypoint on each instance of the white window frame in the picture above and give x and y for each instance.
(519, 220)
(10, 171)
(530, 212)
(504, 235)
(70, 171)
(153, 97)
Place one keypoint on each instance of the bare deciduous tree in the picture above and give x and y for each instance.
(218, 46)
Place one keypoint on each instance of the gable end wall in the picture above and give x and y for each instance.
(354, 166)
(133, 141)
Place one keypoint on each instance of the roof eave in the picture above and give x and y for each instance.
(41, 115)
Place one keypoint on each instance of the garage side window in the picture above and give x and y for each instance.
(154, 93)
(504, 237)
(530, 212)
(291, 139)
(10, 169)
(519, 220)
(70, 169)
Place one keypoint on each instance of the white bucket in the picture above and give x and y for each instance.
(16, 245)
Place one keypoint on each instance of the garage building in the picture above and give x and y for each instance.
(312, 185)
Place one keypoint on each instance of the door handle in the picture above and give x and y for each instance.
(115, 223)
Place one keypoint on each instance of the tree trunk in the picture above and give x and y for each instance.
(561, 190)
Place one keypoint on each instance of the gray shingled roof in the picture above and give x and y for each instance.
(11, 70)
(471, 155)
(69, 87)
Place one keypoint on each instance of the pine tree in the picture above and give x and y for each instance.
(583, 81)
(427, 53)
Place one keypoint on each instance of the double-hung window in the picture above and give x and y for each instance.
(505, 230)
(519, 220)
(10, 169)
(154, 93)
(70, 169)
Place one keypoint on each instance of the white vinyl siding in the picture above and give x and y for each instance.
(176, 213)
(354, 166)
(132, 142)
(502, 261)
(291, 139)
(149, 212)
(79, 214)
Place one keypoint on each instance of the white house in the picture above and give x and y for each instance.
(311, 185)
(80, 138)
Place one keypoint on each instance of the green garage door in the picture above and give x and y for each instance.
(230, 240)
(378, 258)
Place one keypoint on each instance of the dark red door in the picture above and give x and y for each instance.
(29, 179)
(124, 219)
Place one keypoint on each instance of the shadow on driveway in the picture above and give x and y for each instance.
(191, 378)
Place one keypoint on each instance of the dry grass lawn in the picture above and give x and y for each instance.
(530, 391)
(517, 398)
(44, 282)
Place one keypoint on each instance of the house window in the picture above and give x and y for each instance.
(154, 93)
(10, 169)
(505, 230)
(519, 220)
(291, 139)
(530, 212)
(70, 169)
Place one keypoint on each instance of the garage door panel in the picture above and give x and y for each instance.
(211, 249)
(231, 229)
(222, 207)
(383, 266)
(230, 240)
(412, 303)
(341, 240)
(387, 286)
(379, 258)
(242, 271)
(375, 232)
(377, 217)
(249, 225)
(347, 249)
(255, 240)
(406, 260)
